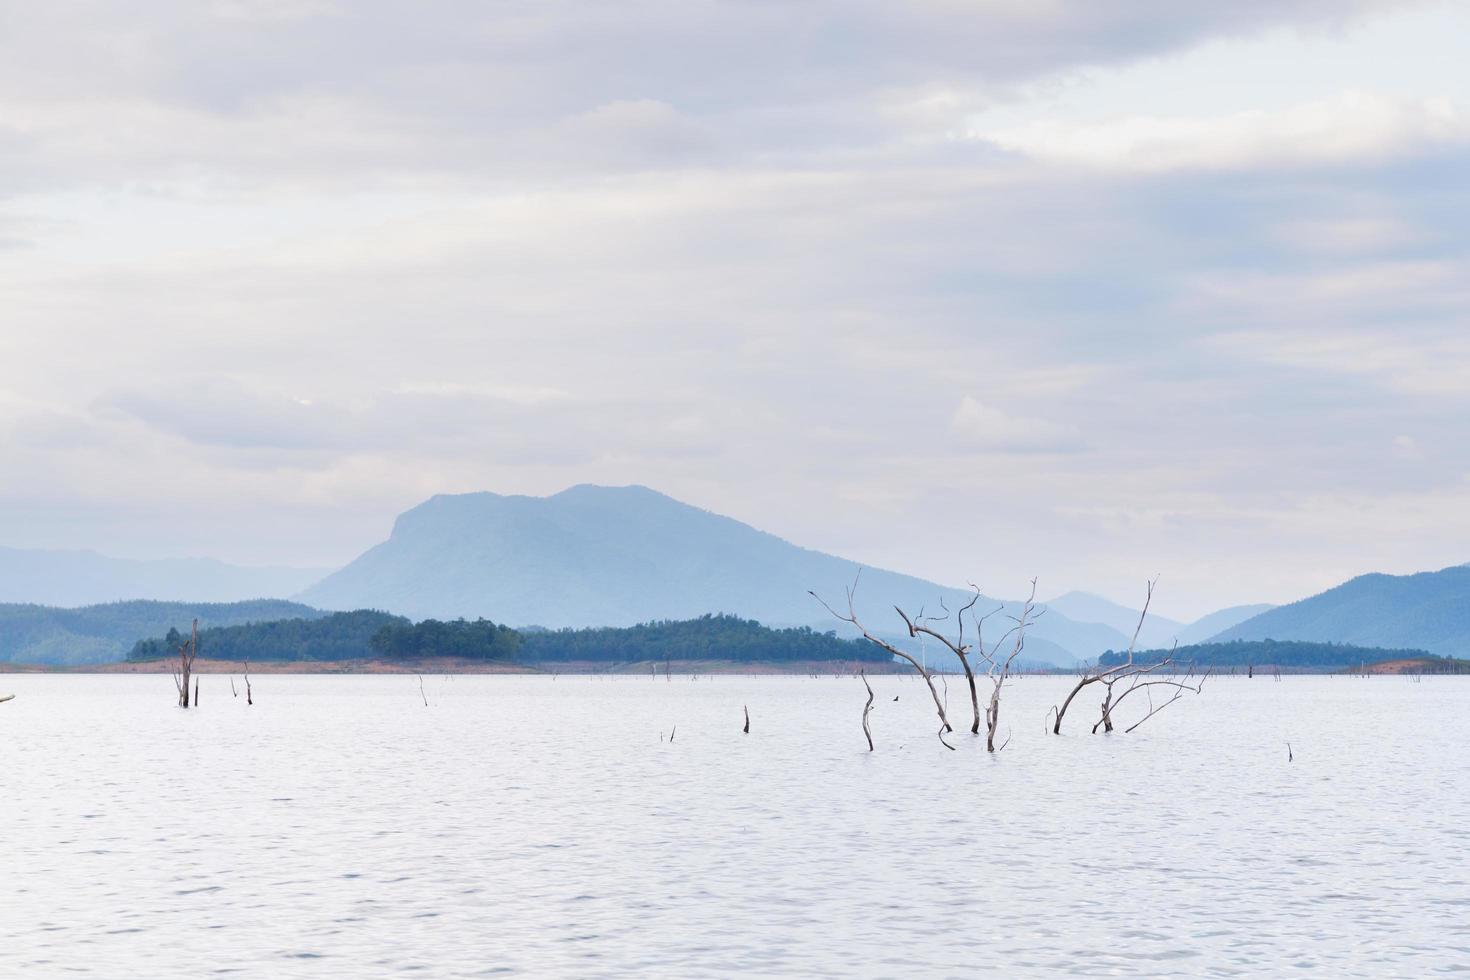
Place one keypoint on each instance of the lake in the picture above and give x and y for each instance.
(551, 826)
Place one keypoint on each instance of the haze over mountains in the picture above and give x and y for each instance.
(84, 578)
(31, 634)
(1429, 610)
(616, 556)
(1211, 626)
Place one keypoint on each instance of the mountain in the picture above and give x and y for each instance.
(1157, 631)
(83, 578)
(31, 634)
(1207, 627)
(1430, 610)
(617, 556)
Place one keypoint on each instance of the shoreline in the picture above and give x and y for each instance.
(463, 665)
(458, 665)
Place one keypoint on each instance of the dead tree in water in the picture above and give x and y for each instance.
(868, 732)
(920, 625)
(187, 651)
(1136, 677)
(1138, 680)
(248, 698)
(851, 617)
(999, 666)
(1000, 670)
(1097, 675)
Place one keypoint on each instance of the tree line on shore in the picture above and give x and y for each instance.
(368, 634)
(1284, 654)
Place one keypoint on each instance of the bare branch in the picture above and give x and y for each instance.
(852, 618)
(866, 708)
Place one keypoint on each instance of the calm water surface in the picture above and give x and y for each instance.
(530, 825)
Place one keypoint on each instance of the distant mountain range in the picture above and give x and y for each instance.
(615, 556)
(1157, 631)
(1430, 610)
(1208, 627)
(595, 556)
(32, 634)
(84, 578)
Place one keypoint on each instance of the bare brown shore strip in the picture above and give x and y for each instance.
(456, 665)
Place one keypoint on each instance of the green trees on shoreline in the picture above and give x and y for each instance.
(366, 634)
(1286, 654)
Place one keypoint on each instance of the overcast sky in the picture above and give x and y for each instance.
(975, 290)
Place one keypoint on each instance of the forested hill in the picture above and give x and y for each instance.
(339, 636)
(1261, 654)
(32, 634)
(616, 556)
(1429, 610)
(705, 638)
(364, 635)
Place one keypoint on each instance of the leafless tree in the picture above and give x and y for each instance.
(1134, 677)
(921, 625)
(249, 697)
(999, 668)
(187, 651)
(1140, 679)
(868, 732)
(852, 618)
(1097, 674)
(746, 729)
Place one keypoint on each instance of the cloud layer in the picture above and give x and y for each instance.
(901, 281)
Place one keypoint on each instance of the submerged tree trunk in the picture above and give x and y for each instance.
(187, 651)
(867, 732)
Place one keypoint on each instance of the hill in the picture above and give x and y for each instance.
(1208, 627)
(1265, 654)
(338, 636)
(32, 634)
(1088, 608)
(617, 556)
(1158, 631)
(706, 638)
(84, 578)
(1430, 610)
(364, 635)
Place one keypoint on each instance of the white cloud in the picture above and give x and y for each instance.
(986, 427)
(1354, 127)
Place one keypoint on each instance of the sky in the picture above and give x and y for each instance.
(981, 291)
